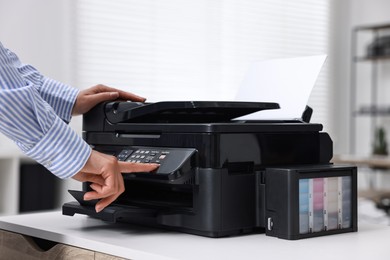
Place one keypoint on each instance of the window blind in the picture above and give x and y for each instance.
(197, 50)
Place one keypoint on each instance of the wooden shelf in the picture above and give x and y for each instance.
(377, 161)
(372, 58)
(373, 111)
(373, 27)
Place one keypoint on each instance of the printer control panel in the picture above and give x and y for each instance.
(143, 155)
(171, 160)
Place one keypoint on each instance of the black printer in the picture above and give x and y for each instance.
(219, 176)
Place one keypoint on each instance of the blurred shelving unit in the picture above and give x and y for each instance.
(374, 55)
(9, 181)
(24, 185)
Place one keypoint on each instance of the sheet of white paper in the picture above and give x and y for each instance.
(288, 82)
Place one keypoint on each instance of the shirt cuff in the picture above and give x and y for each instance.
(60, 96)
(61, 150)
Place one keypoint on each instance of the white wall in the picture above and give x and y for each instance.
(38, 32)
(351, 13)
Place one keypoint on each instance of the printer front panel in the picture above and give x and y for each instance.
(215, 150)
(207, 201)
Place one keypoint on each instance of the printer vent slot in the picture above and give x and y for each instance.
(236, 168)
(190, 181)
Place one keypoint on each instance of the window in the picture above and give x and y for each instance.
(196, 50)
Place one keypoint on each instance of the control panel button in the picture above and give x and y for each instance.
(124, 154)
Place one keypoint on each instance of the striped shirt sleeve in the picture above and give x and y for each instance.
(34, 125)
(58, 95)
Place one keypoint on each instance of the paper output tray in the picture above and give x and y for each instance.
(110, 214)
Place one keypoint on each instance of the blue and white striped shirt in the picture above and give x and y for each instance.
(33, 109)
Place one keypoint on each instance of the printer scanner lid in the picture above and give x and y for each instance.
(181, 111)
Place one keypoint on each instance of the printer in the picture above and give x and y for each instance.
(221, 176)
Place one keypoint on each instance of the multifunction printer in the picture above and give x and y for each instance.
(221, 176)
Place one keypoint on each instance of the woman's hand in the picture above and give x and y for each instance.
(90, 97)
(104, 173)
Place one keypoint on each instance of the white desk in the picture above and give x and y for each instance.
(371, 242)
